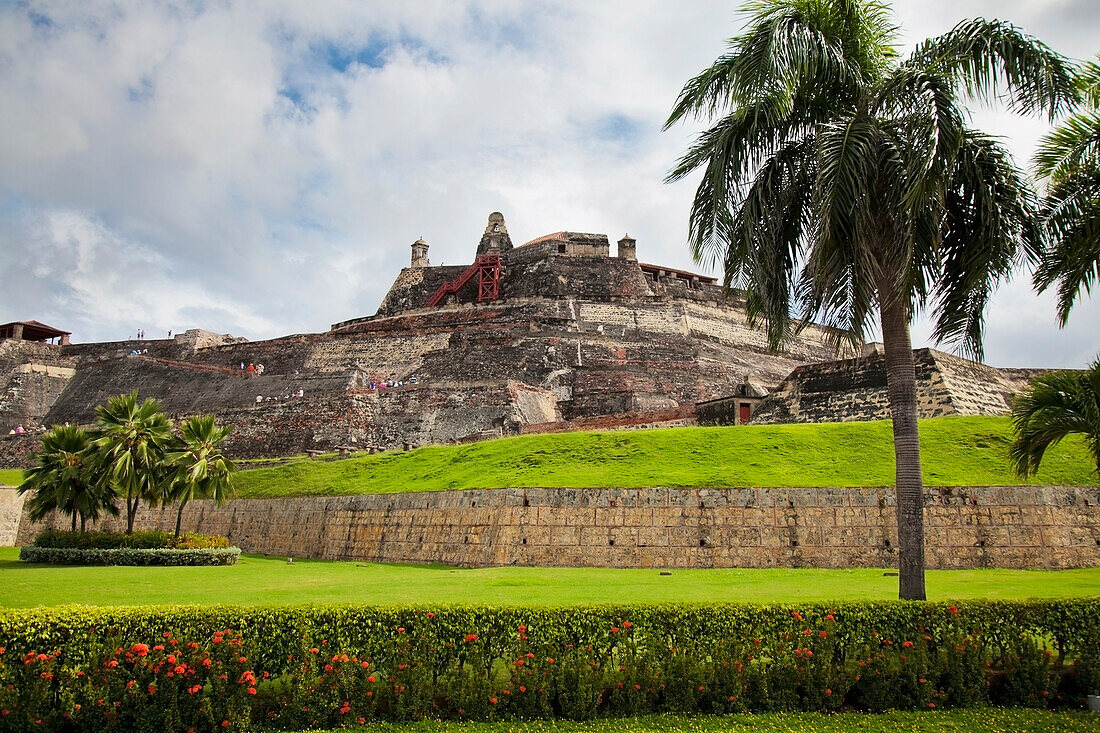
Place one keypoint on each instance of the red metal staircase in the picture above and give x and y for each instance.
(487, 267)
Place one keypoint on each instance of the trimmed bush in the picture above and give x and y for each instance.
(322, 666)
(129, 556)
(143, 540)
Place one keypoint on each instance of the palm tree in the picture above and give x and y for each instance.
(198, 468)
(130, 448)
(65, 479)
(1056, 404)
(841, 182)
(1069, 159)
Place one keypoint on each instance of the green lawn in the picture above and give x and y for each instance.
(990, 720)
(256, 579)
(10, 476)
(957, 451)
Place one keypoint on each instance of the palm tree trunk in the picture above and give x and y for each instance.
(74, 522)
(131, 513)
(83, 519)
(901, 386)
(179, 518)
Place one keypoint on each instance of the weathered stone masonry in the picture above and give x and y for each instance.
(966, 527)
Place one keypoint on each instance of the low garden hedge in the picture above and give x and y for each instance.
(139, 539)
(217, 668)
(129, 556)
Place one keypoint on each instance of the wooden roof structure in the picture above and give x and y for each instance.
(33, 331)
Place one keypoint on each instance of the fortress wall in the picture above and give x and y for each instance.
(11, 510)
(855, 389)
(966, 527)
(32, 376)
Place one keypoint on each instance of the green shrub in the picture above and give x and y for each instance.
(325, 666)
(128, 556)
(138, 540)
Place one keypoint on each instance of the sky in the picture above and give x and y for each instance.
(260, 167)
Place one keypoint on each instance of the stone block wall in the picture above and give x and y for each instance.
(966, 527)
(855, 389)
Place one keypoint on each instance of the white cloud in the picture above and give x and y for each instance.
(261, 167)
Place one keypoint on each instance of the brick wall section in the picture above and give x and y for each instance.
(967, 527)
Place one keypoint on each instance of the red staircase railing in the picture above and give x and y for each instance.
(487, 267)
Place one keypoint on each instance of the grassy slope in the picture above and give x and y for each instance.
(956, 451)
(993, 720)
(257, 580)
(10, 477)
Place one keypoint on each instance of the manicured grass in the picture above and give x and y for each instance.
(988, 720)
(257, 580)
(10, 476)
(957, 451)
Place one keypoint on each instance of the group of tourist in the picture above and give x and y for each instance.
(261, 399)
(389, 383)
(253, 369)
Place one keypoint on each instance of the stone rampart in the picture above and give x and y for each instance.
(965, 527)
(855, 389)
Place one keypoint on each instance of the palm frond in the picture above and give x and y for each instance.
(987, 57)
(991, 220)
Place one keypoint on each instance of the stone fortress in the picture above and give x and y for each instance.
(552, 335)
(555, 334)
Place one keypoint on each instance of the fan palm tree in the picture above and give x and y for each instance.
(65, 479)
(1056, 404)
(841, 182)
(130, 449)
(1068, 159)
(198, 468)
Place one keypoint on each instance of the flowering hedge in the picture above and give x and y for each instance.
(295, 667)
(129, 556)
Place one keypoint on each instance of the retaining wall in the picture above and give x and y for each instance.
(966, 527)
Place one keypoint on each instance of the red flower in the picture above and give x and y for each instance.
(823, 634)
(493, 700)
(614, 629)
(140, 649)
(471, 637)
(952, 610)
(225, 723)
(400, 630)
(906, 644)
(522, 688)
(796, 615)
(313, 650)
(372, 679)
(159, 647)
(152, 689)
(429, 614)
(626, 624)
(113, 663)
(523, 628)
(829, 617)
(360, 720)
(251, 690)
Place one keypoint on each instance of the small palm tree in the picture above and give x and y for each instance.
(130, 450)
(197, 467)
(1069, 159)
(1054, 406)
(843, 183)
(66, 479)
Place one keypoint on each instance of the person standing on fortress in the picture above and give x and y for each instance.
(251, 368)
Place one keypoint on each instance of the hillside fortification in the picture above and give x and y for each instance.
(555, 333)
